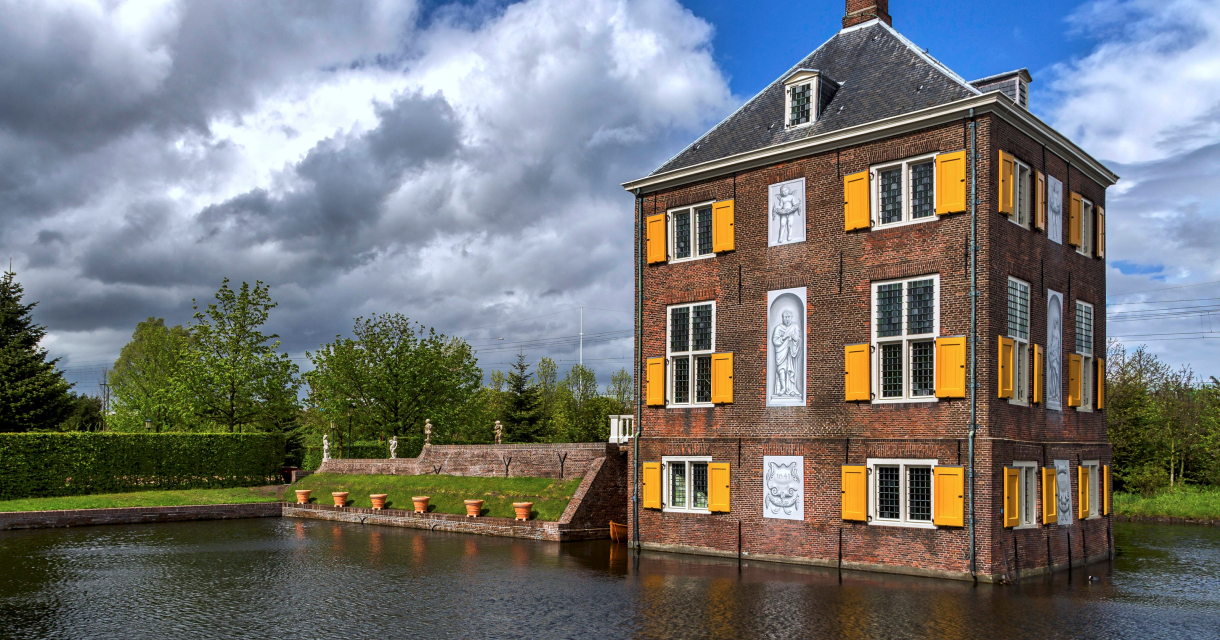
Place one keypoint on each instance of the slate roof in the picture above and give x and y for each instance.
(880, 73)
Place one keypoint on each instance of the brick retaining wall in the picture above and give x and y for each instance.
(136, 515)
(485, 460)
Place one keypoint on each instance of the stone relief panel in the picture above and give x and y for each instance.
(786, 335)
(1054, 350)
(1063, 486)
(1054, 209)
(783, 487)
(787, 212)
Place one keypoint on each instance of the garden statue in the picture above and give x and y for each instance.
(325, 448)
(394, 447)
(499, 431)
(428, 432)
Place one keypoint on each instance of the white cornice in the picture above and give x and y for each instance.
(994, 102)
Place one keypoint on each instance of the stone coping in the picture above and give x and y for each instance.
(1167, 520)
(11, 520)
(483, 525)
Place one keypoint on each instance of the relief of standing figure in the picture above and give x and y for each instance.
(787, 342)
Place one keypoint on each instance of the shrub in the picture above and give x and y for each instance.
(35, 465)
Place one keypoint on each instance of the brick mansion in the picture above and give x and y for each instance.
(871, 325)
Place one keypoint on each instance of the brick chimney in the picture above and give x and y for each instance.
(859, 11)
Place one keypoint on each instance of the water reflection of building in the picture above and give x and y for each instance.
(806, 397)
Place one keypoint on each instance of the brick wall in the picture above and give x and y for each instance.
(511, 460)
(135, 515)
(837, 268)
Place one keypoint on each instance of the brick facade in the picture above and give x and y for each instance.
(837, 268)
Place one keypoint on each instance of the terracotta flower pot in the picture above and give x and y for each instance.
(302, 496)
(473, 507)
(378, 500)
(421, 503)
(340, 498)
(523, 509)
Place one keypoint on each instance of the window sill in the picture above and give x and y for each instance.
(694, 511)
(1026, 527)
(700, 405)
(691, 259)
(904, 223)
(918, 400)
(901, 525)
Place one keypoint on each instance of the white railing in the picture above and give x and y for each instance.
(622, 429)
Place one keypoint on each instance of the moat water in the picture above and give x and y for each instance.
(286, 578)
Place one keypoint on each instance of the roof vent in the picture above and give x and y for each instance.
(1014, 84)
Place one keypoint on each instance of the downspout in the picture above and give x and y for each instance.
(639, 360)
(974, 333)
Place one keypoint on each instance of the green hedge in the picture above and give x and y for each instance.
(36, 465)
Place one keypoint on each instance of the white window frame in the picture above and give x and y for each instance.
(903, 492)
(1020, 349)
(906, 340)
(671, 230)
(1023, 204)
(1086, 351)
(1027, 494)
(1086, 228)
(874, 177)
(1094, 467)
(670, 355)
(666, 462)
(796, 79)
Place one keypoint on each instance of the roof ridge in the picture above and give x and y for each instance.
(931, 60)
(743, 105)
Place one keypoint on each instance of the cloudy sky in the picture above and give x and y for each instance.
(460, 163)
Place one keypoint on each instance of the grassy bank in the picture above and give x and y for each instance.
(148, 499)
(1183, 502)
(550, 496)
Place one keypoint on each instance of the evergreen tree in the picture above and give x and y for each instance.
(33, 393)
(523, 415)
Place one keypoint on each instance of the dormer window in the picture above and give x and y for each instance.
(806, 94)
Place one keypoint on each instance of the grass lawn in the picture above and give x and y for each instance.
(550, 496)
(1183, 502)
(237, 495)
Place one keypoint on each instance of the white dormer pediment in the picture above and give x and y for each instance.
(800, 76)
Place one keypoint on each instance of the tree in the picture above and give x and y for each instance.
(33, 392)
(144, 380)
(622, 390)
(232, 373)
(392, 376)
(86, 414)
(523, 416)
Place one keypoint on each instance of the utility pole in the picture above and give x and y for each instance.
(105, 385)
(582, 336)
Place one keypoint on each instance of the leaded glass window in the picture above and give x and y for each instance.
(906, 319)
(677, 484)
(888, 493)
(1018, 309)
(891, 196)
(690, 231)
(698, 485)
(922, 203)
(704, 219)
(682, 233)
(919, 494)
(686, 484)
(691, 341)
(1084, 328)
(800, 104)
(905, 192)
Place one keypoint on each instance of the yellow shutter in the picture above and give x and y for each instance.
(1082, 477)
(1075, 389)
(1101, 383)
(718, 486)
(950, 486)
(1105, 490)
(855, 493)
(857, 385)
(951, 367)
(1074, 209)
(1037, 374)
(1101, 232)
(722, 378)
(1007, 165)
(656, 238)
(722, 226)
(951, 182)
(1040, 202)
(1050, 497)
(1007, 370)
(1012, 485)
(652, 485)
(655, 395)
(855, 201)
